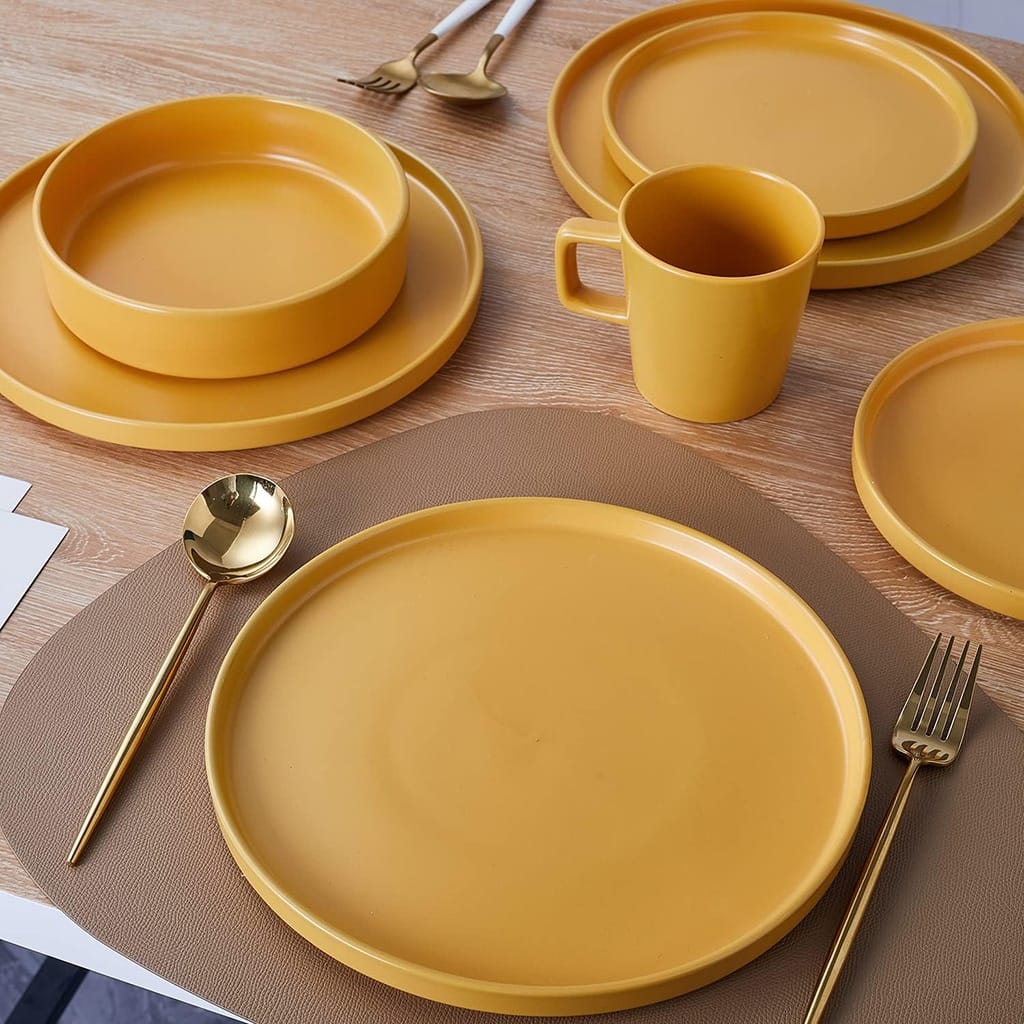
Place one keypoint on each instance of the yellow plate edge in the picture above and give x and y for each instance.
(947, 572)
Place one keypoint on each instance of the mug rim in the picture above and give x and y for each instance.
(810, 253)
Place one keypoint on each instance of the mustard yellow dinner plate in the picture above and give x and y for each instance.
(874, 130)
(976, 215)
(938, 459)
(537, 756)
(47, 371)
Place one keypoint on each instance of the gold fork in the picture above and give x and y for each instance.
(396, 77)
(929, 730)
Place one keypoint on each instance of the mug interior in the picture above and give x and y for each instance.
(722, 221)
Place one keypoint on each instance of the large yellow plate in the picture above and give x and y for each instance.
(982, 211)
(47, 371)
(938, 459)
(874, 130)
(537, 755)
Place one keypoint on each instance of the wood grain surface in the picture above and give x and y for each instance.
(67, 67)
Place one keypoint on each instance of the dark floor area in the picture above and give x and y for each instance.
(97, 1000)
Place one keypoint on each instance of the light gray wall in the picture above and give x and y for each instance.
(992, 17)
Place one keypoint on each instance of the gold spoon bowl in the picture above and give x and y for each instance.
(472, 87)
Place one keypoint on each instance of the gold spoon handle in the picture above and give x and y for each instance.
(861, 897)
(488, 52)
(142, 721)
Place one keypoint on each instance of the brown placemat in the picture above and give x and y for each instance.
(943, 940)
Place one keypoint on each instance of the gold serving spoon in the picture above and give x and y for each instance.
(234, 532)
(475, 86)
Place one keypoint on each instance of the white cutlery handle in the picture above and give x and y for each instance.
(464, 11)
(513, 16)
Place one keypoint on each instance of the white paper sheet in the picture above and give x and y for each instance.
(25, 547)
(11, 492)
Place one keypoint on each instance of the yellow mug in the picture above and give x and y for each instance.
(717, 264)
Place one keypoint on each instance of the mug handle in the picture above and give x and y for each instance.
(574, 295)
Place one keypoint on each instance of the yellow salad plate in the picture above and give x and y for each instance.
(938, 460)
(537, 756)
(874, 130)
(50, 373)
(988, 204)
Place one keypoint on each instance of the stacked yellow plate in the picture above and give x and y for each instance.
(911, 143)
(229, 271)
(871, 128)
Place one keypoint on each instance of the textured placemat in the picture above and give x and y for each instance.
(944, 939)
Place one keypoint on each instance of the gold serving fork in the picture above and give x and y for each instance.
(396, 77)
(929, 730)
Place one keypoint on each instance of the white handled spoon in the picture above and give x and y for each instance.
(475, 86)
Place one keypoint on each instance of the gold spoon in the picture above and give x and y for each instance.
(475, 86)
(234, 532)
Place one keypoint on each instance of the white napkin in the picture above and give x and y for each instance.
(25, 546)
(11, 492)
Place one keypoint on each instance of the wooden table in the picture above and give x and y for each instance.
(67, 68)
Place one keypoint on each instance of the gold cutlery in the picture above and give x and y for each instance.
(475, 86)
(929, 730)
(236, 530)
(396, 77)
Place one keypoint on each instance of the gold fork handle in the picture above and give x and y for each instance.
(141, 723)
(861, 897)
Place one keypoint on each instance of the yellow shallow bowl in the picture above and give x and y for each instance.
(537, 756)
(223, 236)
(938, 460)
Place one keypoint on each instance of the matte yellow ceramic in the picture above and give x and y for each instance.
(537, 756)
(47, 371)
(223, 236)
(982, 211)
(874, 130)
(717, 264)
(938, 459)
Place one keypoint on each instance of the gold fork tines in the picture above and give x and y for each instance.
(394, 76)
(929, 731)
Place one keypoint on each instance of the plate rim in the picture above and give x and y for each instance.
(948, 572)
(482, 994)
